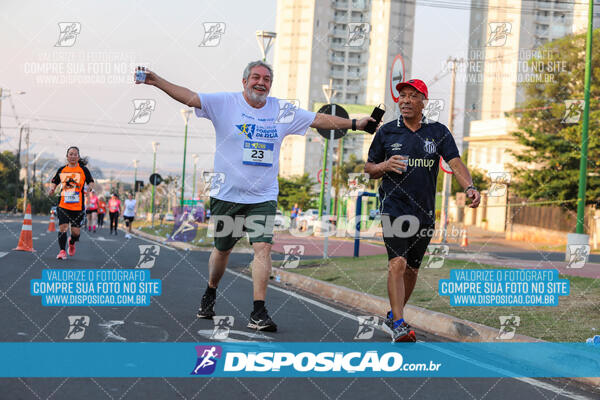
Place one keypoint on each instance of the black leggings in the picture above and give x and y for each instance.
(114, 220)
(100, 220)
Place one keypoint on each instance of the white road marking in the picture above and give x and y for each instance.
(533, 382)
(207, 333)
(3, 253)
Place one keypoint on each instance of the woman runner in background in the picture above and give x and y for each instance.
(114, 208)
(101, 211)
(129, 214)
(72, 178)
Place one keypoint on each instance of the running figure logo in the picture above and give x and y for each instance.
(500, 180)
(185, 226)
(287, 111)
(499, 32)
(77, 325)
(212, 34)
(366, 327)
(68, 33)
(433, 109)
(578, 255)
(207, 359)
(148, 254)
(223, 324)
(508, 326)
(573, 111)
(357, 33)
(437, 255)
(212, 183)
(142, 109)
(293, 253)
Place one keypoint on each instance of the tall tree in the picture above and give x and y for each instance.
(549, 125)
(297, 189)
(9, 171)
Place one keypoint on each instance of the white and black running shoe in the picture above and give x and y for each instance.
(261, 321)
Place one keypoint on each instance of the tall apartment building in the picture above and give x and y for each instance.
(320, 41)
(503, 37)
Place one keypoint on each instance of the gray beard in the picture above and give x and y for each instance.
(256, 97)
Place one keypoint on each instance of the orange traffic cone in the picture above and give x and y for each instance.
(465, 239)
(26, 240)
(51, 225)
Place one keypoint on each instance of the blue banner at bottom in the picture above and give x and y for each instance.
(299, 360)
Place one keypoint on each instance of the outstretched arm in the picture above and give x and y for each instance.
(326, 121)
(179, 93)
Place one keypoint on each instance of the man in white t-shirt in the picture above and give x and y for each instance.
(249, 128)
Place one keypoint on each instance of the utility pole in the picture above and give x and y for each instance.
(579, 238)
(448, 177)
(26, 183)
(154, 149)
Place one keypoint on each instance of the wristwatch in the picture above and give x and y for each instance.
(470, 187)
(354, 124)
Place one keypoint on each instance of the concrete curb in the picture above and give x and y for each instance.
(430, 321)
(437, 323)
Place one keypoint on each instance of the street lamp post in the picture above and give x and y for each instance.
(26, 180)
(154, 148)
(195, 157)
(265, 42)
(135, 167)
(185, 113)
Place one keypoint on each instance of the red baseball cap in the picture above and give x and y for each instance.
(417, 84)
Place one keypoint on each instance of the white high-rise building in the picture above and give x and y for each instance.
(350, 43)
(504, 36)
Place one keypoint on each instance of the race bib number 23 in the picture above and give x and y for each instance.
(258, 153)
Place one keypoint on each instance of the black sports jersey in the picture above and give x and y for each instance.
(412, 192)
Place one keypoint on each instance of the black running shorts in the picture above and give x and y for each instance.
(412, 248)
(70, 217)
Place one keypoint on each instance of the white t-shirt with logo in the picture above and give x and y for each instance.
(248, 141)
(129, 208)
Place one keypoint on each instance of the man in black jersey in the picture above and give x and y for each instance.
(405, 153)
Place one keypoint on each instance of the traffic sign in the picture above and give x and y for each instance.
(396, 76)
(340, 112)
(445, 167)
(321, 173)
(155, 179)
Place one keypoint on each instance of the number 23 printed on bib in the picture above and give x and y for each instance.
(258, 153)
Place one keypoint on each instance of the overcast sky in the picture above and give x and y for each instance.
(94, 111)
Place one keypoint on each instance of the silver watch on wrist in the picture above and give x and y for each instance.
(470, 187)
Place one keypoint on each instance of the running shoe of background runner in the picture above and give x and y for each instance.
(62, 255)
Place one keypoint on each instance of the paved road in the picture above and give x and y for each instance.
(171, 318)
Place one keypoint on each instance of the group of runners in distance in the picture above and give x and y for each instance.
(78, 199)
(404, 154)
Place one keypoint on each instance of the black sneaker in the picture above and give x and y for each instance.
(207, 306)
(261, 321)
